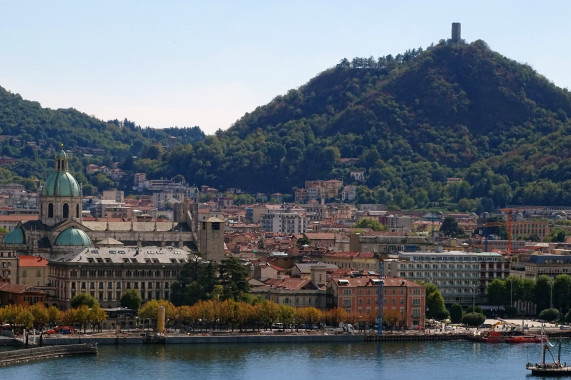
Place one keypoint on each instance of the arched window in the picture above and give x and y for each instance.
(77, 211)
(50, 210)
(65, 210)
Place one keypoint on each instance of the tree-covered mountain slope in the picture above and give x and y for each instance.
(414, 120)
(409, 122)
(30, 134)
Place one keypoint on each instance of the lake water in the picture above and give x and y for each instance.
(378, 360)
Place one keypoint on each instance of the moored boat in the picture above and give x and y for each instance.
(554, 368)
(526, 339)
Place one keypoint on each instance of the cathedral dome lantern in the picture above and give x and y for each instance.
(60, 197)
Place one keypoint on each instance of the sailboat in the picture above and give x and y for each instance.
(555, 368)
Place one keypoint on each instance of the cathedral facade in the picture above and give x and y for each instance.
(62, 237)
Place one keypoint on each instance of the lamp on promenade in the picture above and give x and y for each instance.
(473, 298)
(511, 291)
(551, 297)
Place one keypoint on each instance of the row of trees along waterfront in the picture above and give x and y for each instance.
(203, 315)
(546, 293)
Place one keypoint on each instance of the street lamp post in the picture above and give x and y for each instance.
(473, 298)
(511, 291)
(551, 296)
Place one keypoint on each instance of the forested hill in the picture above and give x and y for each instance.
(409, 122)
(413, 120)
(30, 134)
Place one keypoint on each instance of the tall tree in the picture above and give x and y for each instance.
(233, 277)
(435, 307)
(497, 292)
(543, 295)
(196, 282)
(449, 227)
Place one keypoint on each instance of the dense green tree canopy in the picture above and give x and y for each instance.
(374, 225)
(435, 307)
(456, 313)
(83, 299)
(449, 227)
(131, 299)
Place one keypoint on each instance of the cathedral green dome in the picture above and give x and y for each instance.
(16, 236)
(74, 237)
(61, 184)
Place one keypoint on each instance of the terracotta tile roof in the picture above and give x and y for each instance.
(32, 261)
(13, 288)
(320, 235)
(351, 254)
(18, 217)
(290, 283)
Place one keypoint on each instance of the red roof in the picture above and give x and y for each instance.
(13, 288)
(290, 283)
(18, 217)
(32, 261)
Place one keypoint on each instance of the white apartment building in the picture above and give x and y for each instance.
(281, 221)
(461, 277)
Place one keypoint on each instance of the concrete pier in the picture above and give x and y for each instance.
(43, 353)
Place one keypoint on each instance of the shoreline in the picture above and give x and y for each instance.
(167, 339)
(267, 336)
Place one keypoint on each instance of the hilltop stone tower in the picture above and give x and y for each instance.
(456, 32)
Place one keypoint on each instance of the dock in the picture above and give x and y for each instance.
(45, 353)
(399, 337)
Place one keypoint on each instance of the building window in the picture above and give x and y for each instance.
(50, 210)
(65, 210)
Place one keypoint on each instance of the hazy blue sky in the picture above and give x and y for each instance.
(206, 63)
